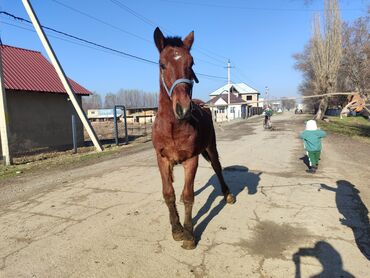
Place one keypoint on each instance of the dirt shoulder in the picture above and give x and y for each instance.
(40, 175)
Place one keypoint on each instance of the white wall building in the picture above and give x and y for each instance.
(242, 99)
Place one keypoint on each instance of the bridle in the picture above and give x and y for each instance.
(177, 82)
(186, 81)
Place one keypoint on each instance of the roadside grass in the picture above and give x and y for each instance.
(53, 160)
(355, 127)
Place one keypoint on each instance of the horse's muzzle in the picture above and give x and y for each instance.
(182, 113)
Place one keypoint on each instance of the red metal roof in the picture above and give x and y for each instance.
(28, 70)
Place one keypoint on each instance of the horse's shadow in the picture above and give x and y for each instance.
(237, 178)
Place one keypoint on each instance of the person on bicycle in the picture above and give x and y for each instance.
(268, 114)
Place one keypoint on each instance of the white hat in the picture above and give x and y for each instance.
(311, 125)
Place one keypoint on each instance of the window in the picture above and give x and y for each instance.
(232, 109)
(249, 97)
(221, 110)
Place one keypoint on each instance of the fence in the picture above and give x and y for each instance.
(220, 113)
(138, 125)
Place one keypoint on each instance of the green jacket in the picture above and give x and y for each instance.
(268, 112)
(312, 139)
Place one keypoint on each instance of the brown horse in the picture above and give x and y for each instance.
(182, 130)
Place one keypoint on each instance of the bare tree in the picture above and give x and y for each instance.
(326, 54)
(306, 88)
(288, 103)
(356, 56)
(137, 98)
(93, 101)
(110, 100)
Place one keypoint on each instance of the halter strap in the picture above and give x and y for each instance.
(177, 82)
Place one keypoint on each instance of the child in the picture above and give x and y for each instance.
(312, 144)
(268, 113)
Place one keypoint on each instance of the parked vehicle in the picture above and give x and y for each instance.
(299, 109)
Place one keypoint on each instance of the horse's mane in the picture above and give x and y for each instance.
(173, 41)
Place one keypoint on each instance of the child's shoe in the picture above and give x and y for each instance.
(312, 170)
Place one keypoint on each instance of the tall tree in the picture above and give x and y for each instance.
(306, 88)
(326, 54)
(356, 56)
(110, 100)
(137, 98)
(288, 103)
(93, 101)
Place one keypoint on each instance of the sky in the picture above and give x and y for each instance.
(258, 37)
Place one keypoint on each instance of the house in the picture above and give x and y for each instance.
(141, 115)
(39, 109)
(243, 102)
(242, 90)
(103, 114)
(219, 107)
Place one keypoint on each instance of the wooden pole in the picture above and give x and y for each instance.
(4, 120)
(63, 78)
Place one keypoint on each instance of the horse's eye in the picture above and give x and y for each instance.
(162, 66)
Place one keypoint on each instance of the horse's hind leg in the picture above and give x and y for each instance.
(166, 168)
(216, 165)
(190, 167)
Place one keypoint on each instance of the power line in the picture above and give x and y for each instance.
(60, 38)
(137, 15)
(241, 74)
(210, 56)
(101, 21)
(90, 43)
(211, 76)
(210, 63)
(213, 53)
(153, 24)
(119, 28)
(81, 39)
(222, 6)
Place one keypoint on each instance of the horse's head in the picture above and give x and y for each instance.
(176, 73)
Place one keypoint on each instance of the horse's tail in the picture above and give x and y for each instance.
(206, 156)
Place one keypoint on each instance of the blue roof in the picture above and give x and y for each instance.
(104, 113)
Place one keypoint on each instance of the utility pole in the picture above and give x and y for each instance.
(228, 72)
(266, 95)
(228, 93)
(63, 78)
(4, 119)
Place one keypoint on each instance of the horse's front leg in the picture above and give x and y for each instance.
(166, 169)
(190, 167)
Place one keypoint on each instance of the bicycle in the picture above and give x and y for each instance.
(267, 122)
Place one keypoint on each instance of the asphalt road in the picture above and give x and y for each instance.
(108, 219)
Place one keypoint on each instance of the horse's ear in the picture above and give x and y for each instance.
(159, 39)
(188, 41)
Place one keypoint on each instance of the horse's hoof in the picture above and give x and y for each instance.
(178, 236)
(188, 244)
(230, 199)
